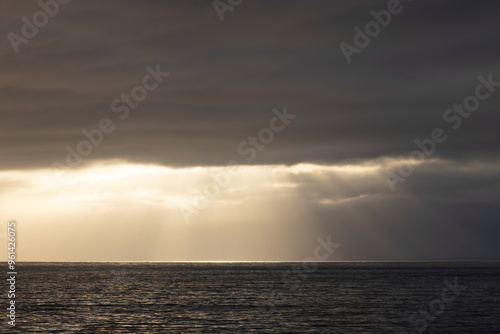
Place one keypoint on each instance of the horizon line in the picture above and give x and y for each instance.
(289, 261)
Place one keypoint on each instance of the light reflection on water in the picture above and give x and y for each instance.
(349, 297)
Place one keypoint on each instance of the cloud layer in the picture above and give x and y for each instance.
(227, 76)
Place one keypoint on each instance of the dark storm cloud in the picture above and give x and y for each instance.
(227, 76)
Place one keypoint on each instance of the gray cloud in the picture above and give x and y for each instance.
(226, 77)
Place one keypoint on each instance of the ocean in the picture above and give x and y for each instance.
(285, 297)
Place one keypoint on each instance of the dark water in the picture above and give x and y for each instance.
(255, 298)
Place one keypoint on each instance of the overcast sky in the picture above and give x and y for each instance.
(324, 174)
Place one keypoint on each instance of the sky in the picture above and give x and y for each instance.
(204, 131)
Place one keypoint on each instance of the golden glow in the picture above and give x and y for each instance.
(120, 211)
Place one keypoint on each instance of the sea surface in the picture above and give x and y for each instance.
(341, 297)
